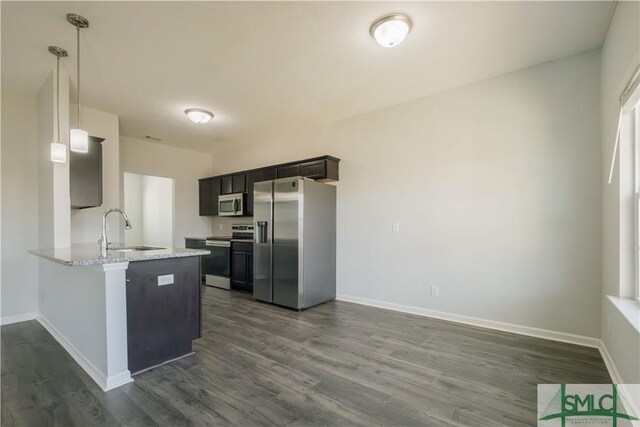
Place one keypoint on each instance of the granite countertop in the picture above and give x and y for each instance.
(89, 254)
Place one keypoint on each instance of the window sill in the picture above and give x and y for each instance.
(629, 308)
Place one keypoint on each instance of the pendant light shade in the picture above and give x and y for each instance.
(79, 141)
(78, 137)
(58, 150)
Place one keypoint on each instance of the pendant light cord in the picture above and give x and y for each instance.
(58, 98)
(78, 71)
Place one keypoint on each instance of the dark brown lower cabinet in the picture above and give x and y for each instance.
(162, 319)
(242, 266)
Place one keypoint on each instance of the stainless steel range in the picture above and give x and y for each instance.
(242, 232)
(217, 266)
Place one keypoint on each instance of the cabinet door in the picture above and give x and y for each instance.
(250, 270)
(268, 174)
(226, 185)
(161, 320)
(252, 177)
(215, 192)
(85, 176)
(287, 171)
(239, 272)
(238, 183)
(314, 170)
(206, 197)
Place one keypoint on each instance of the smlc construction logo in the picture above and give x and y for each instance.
(610, 405)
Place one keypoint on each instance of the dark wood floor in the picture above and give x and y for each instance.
(336, 364)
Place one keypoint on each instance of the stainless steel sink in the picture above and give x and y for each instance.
(135, 248)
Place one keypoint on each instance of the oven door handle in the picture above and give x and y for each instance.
(218, 245)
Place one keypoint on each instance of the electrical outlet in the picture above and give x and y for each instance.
(435, 291)
(167, 279)
(395, 227)
(221, 227)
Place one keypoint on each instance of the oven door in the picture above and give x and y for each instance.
(231, 205)
(217, 265)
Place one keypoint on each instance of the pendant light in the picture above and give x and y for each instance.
(79, 138)
(58, 149)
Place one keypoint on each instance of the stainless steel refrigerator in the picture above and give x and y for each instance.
(294, 250)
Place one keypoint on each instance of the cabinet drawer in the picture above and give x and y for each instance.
(242, 246)
(195, 244)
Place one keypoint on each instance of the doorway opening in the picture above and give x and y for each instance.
(149, 203)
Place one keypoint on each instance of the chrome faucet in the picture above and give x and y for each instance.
(104, 243)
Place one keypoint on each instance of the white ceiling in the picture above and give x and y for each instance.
(269, 67)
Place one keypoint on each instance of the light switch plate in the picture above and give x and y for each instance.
(167, 279)
(395, 227)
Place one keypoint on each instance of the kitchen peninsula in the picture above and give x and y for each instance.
(124, 312)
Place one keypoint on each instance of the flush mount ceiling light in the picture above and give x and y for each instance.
(58, 149)
(79, 138)
(391, 30)
(198, 115)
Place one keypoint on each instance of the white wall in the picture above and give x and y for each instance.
(84, 308)
(133, 208)
(19, 279)
(157, 208)
(53, 178)
(620, 57)
(496, 186)
(185, 167)
(86, 224)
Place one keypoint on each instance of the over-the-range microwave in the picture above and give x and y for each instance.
(231, 204)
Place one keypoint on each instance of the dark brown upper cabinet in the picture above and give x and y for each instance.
(252, 178)
(268, 174)
(238, 184)
(323, 168)
(226, 185)
(209, 191)
(85, 176)
(287, 171)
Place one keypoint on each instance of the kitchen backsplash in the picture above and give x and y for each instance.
(221, 226)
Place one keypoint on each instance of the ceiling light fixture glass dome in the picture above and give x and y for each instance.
(391, 30)
(198, 115)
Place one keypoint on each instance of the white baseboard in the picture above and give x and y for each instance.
(624, 389)
(475, 321)
(611, 366)
(105, 383)
(115, 381)
(7, 320)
